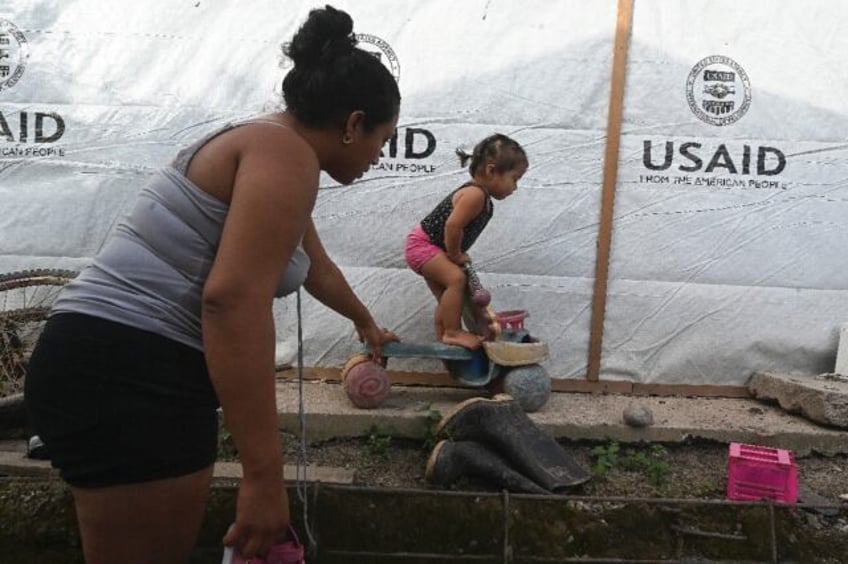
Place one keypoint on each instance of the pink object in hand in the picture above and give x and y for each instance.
(286, 552)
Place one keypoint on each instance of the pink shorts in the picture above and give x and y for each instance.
(419, 249)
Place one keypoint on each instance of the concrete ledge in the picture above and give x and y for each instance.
(822, 398)
(14, 462)
(324, 474)
(574, 416)
(408, 413)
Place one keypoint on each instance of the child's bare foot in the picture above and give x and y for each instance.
(463, 339)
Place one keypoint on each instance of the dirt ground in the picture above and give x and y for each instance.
(694, 470)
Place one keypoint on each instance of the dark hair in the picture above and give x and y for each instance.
(505, 153)
(332, 77)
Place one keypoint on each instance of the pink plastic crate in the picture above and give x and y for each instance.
(757, 472)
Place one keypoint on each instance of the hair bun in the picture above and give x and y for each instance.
(326, 35)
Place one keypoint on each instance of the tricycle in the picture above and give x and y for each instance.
(507, 362)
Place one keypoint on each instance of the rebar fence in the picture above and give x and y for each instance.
(351, 525)
(367, 525)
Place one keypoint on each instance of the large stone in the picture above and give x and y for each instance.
(822, 398)
(638, 415)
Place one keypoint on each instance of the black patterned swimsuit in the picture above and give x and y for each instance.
(434, 224)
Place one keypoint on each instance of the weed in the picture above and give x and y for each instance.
(378, 441)
(659, 469)
(651, 462)
(635, 460)
(226, 445)
(433, 418)
(707, 488)
(606, 458)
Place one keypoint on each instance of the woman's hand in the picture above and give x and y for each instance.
(262, 517)
(375, 337)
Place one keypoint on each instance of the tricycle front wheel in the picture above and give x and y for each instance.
(529, 385)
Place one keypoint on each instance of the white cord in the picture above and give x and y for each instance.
(301, 453)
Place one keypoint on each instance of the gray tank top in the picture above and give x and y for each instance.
(151, 272)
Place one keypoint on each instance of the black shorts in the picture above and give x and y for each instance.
(118, 405)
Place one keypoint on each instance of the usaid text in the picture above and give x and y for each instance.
(692, 156)
(32, 127)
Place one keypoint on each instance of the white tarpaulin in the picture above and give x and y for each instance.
(728, 242)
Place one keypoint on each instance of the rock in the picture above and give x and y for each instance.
(638, 415)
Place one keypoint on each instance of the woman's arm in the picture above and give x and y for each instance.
(326, 283)
(274, 190)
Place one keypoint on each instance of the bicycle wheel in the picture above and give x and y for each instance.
(25, 300)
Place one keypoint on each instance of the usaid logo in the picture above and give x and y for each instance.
(381, 50)
(718, 90)
(14, 52)
(372, 45)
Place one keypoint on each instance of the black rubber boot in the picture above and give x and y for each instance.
(451, 460)
(501, 424)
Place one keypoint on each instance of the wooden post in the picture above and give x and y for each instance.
(616, 103)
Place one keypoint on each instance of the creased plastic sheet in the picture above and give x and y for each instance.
(716, 273)
(728, 257)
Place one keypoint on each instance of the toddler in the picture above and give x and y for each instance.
(437, 248)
